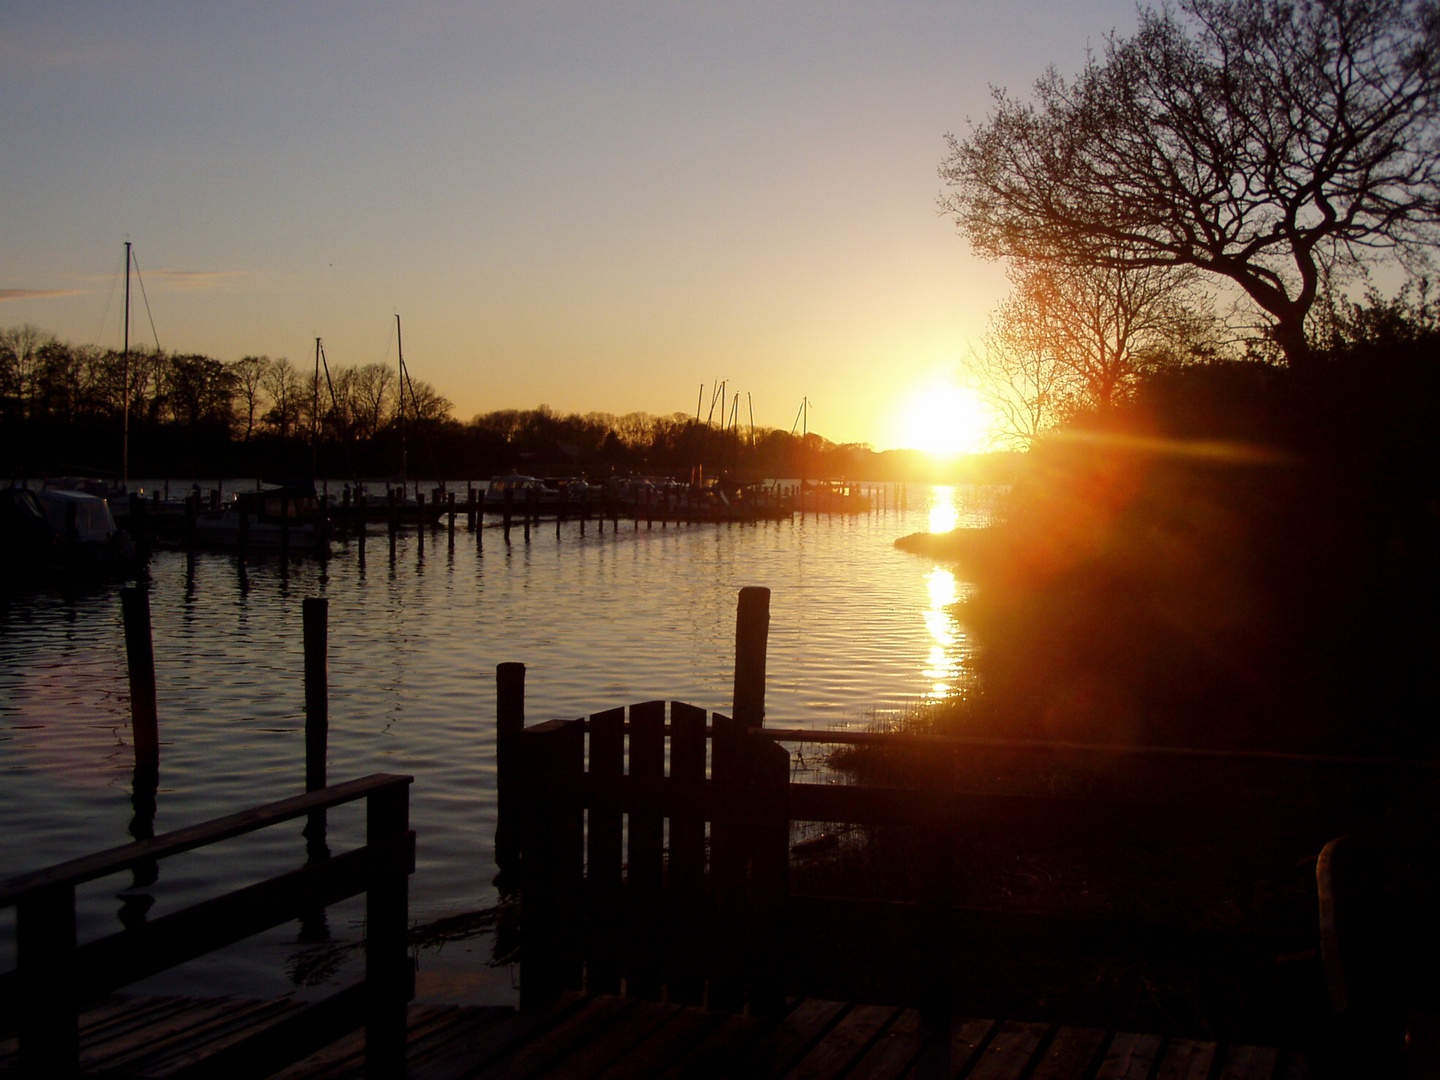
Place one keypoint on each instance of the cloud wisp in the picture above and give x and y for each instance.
(36, 294)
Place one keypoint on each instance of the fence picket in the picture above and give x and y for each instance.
(647, 851)
(686, 916)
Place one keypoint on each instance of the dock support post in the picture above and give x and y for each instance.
(315, 613)
(752, 631)
(509, 723)
(389, 976)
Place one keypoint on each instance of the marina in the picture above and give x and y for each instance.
(618, 616)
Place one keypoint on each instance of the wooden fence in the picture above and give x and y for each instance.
(54, 978)
(676, 881)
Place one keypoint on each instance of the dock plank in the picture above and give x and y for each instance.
(1187, 1059)
(1070, 1055)
(1129, 1057)
(676, 1040)
(611, 1038)
(533, 1058)
(844, 1043)
(897, 1048)
(790, 1040)
(1250, 1063)
(1009, 1051)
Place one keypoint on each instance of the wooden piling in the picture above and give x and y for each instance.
(752, 631)
(509, 723)
(315, 613)
(140, 654)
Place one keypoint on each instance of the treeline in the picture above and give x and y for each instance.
(63, 409)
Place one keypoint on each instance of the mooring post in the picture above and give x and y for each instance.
(752, 632)
(509, 723)
(315, 614)
(140, 653)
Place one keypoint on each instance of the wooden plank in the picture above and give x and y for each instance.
(90, 867)
(607, 767)
(482, 1047)
(605, 839)
(1129, 1057)
(1045, 814)
(1250, 1063)
(218, 1031)
(159, 1030)
(574, 1030)
(616, 1041)
(1294, 1067)
(1010, 1050)
(647, 829)
(300, 1031)
(646, 855)
(1071, 1054)
(664, 1047)
(685, 917)
(729, 1042)
(954, 1051)
(895, 1050)
(844, 1044)
(1186, 1059)
(789, 1040)
(130, 955)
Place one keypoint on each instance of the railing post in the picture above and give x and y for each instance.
(49, 1022)
(509, 723)
(388, 975)
(140, 654)
(553, 756)
(752, 630)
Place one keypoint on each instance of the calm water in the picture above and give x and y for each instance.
(857, 629)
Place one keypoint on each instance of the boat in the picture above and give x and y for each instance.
(60, 531)
(285, 516)
(515, 491)
(832, 497)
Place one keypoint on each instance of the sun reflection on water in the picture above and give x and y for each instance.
(945, 663)
(944, 514)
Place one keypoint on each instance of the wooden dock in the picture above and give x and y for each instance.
(615, 1038)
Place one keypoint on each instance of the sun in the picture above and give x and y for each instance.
(944, 419)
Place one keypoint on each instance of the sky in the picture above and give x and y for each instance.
(598, 205)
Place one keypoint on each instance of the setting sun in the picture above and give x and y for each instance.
(944, 419)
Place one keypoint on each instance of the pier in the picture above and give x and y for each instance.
(671, 921)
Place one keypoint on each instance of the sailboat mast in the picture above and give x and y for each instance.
(315, 417)
(400, 352)
(125, 379)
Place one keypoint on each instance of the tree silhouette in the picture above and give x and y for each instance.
(1264, 141)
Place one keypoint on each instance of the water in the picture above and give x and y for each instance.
(858, 631)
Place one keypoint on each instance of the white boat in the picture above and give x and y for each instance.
(270, 518)
(518, 492)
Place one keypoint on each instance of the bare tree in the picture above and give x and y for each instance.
(374, 393)
(249, 374)
(1265, 141)
(285, 387)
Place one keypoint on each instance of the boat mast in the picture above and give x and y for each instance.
(400, 352)
(315, 417)
(125, 378)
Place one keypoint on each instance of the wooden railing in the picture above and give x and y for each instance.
(54, 978)
(606, 901)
